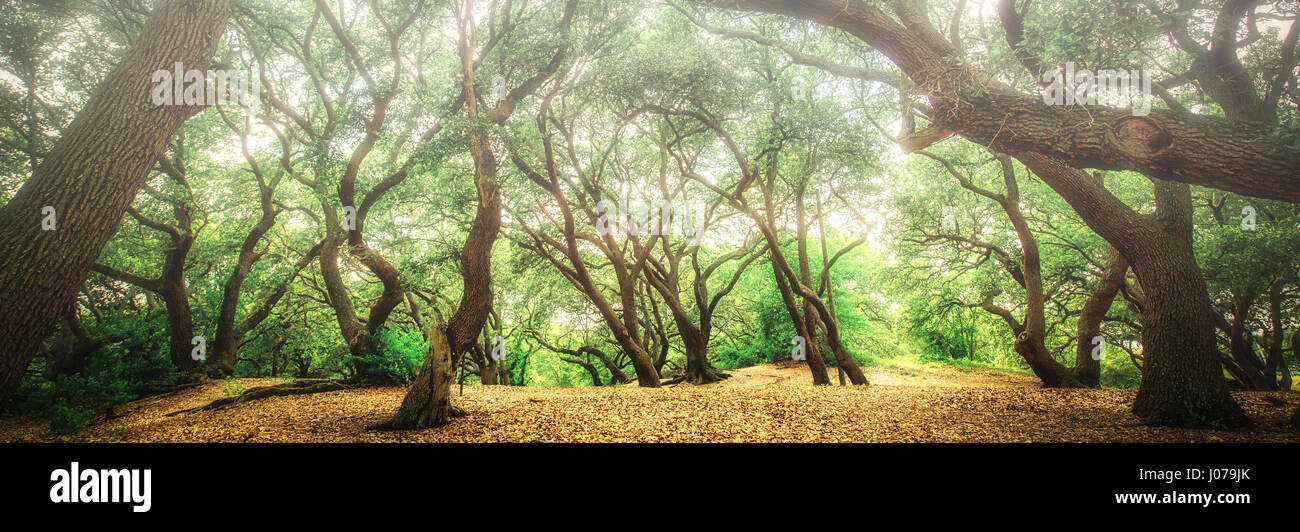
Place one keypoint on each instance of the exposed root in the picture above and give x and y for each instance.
(453, 411)
(301, 387)
(708, 376)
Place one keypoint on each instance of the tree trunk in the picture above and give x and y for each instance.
(810, 321)
(351, 327)
(91, 176)
(170, 286)
(490, 373)
(698, 368)
(1182, 378)
(812, 352)
(230, 334)
(227, 343)
(1087, 370)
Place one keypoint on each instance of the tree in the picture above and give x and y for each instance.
(1182, 384)
(428, 401)
(90, 177)
(171, 284)
(1025, 267)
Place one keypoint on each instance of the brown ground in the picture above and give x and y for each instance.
(770, 403)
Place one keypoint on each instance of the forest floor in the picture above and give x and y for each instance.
(906, 402)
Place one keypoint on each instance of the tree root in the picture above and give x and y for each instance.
(453, 411)
(709, 376)
(301, 387)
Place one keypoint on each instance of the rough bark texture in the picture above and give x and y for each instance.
(1182, 378)
(91, 176)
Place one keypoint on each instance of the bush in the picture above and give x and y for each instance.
(748, 355)
(70, 419)
(394, 358)
(72, 401)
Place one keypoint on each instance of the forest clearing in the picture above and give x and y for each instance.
(767, 403)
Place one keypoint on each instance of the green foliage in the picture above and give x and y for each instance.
(753, 354)
(395, 358)
(72, 401)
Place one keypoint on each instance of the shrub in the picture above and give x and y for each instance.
(394, 358)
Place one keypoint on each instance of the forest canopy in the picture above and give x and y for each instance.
(575, 193)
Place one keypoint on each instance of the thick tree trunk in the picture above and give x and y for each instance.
(1182, 378)
(490, 373)
(91, 176)
(698, 368)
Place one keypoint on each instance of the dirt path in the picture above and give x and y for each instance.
(770, 403)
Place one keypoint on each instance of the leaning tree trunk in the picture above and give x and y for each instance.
(805, 272)
(812, 352)
(428, 400)
(1087, 370)
(1053, 374)
(91, 176)
(226, 345)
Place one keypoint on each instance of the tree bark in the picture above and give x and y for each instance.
(91, 176)
(1182, 378)
(230, 334)
(170, 286)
